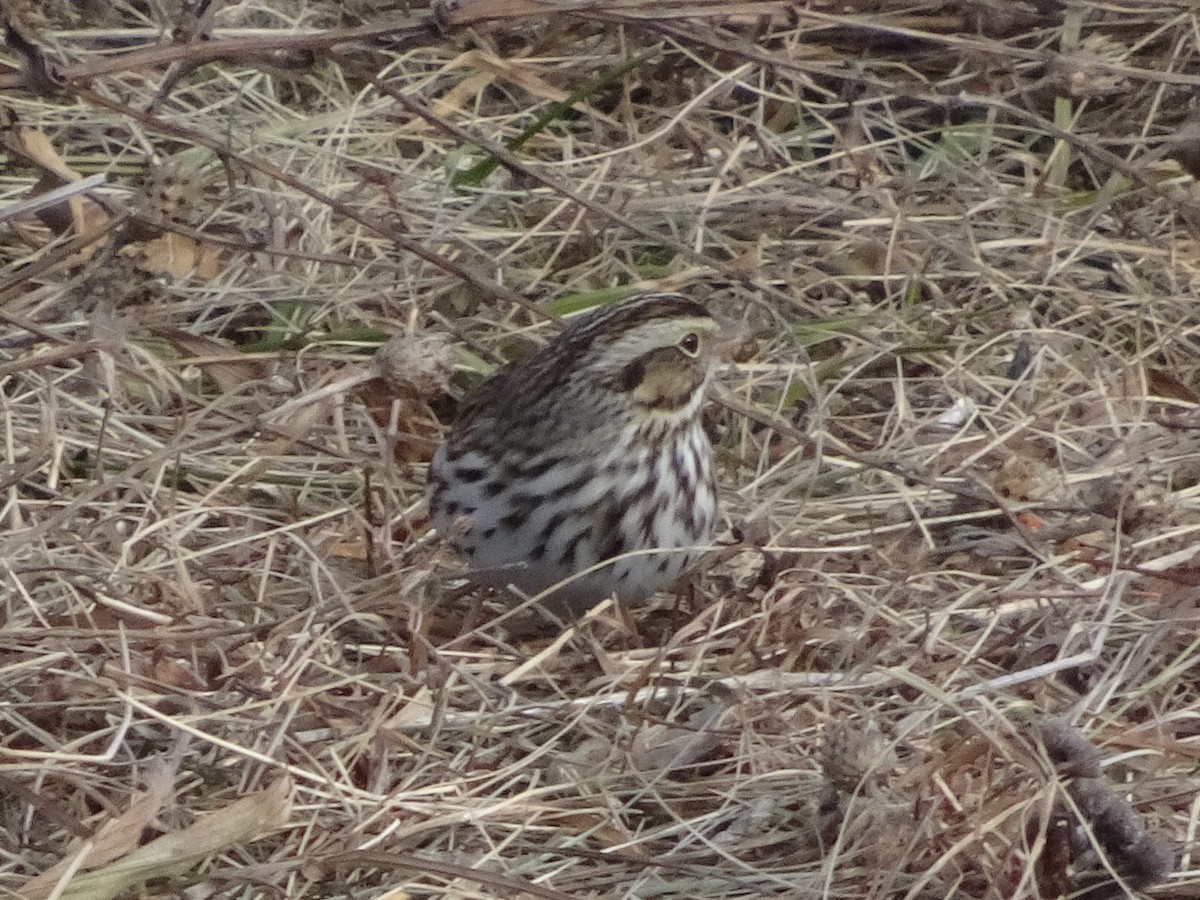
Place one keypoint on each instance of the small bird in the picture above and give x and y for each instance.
(585, 468)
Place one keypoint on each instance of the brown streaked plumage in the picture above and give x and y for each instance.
(589, 452)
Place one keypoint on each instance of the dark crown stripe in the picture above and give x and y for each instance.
(637, 311)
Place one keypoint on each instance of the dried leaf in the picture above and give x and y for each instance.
(243, 820)
(115, 839)
(178, 255)
(86, 216)
(221, 362)
(671, 747)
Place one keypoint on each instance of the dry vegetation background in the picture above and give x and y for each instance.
(948, 646)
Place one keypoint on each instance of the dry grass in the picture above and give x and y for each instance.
(949, 650)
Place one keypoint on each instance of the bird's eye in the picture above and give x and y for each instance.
(690, 343)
